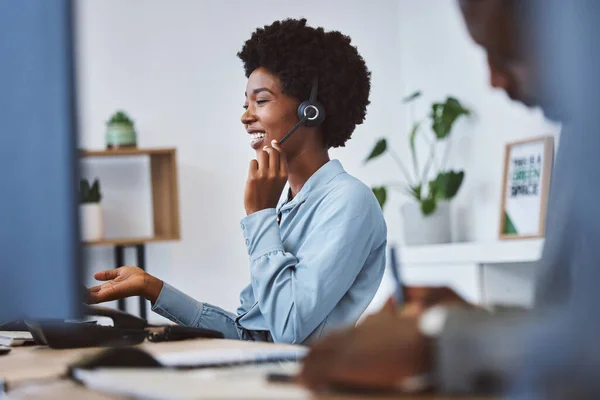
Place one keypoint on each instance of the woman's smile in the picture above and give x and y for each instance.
(257, 138)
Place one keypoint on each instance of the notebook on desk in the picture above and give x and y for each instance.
(210, 383)
(230, 356)
(15, 338)
(226, 372)
(136, 357)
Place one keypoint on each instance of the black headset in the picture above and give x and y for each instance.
(311, 109)
(310, 112)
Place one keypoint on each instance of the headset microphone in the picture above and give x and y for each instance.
(310, 112)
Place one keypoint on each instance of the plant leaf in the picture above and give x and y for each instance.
(381, 195)
(413, 135)
(84, 191)
(415, 191)
(408, 191)
(433, 188)
(94, 195)
(428, 205)
(412, 96)
(447, 184)
(443, 116)
(379, 149)
(120, 118)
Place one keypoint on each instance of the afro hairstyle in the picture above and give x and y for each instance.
(296, 53)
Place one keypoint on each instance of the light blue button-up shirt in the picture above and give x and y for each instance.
(316, 270)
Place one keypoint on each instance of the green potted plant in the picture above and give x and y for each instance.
(120, 131)
(90, 211)
(426, 219)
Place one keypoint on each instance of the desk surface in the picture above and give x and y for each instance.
(34, 373)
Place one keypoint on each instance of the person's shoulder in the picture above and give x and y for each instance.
(346, 184)
(352, 193)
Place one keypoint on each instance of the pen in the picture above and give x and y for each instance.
(394, 266)
(276, 377)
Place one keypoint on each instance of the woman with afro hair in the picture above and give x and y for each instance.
(317, 250)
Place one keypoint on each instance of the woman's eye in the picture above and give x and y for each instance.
(245, 106)
(261, 101)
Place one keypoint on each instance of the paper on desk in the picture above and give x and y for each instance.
(155, 384)
(14, 338)
(198, 358)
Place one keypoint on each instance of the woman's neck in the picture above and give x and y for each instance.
(303, 166)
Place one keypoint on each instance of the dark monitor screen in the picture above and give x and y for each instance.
(39, 255)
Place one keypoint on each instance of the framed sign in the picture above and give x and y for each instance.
(527, 171)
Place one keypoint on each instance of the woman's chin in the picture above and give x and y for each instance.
(258, 144)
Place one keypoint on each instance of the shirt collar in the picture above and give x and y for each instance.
(322, 177)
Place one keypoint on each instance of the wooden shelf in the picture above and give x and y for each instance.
(165, 194)
(128, 241)
(126, 152)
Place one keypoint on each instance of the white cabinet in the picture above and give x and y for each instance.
(500, 272)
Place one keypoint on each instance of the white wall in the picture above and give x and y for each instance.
(173, 67)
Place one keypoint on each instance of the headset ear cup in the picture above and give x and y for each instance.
(301, 109)
(322, 114)
(312, 122)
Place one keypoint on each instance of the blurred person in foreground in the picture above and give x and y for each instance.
(541, 53)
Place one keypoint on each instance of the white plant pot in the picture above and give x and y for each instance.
(422, 229)
(92, 223)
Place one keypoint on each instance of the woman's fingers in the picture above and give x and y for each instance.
(266, 179)
(100, 294)
(263, 163)
(273, 161)
(252, 168)
(106, 275)
(95, 289)
(108, 292)
(283, 166)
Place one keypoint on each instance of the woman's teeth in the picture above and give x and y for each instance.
(258, 136)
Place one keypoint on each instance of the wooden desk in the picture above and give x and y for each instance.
(36, 373)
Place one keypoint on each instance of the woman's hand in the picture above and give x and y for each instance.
(266, 179)
(124, 282)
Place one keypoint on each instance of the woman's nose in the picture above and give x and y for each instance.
(248, 116)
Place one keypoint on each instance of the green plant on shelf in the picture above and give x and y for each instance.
(120, 118)
(424, 187)
(89, 194)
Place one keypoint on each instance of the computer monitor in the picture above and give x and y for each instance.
(39, 255)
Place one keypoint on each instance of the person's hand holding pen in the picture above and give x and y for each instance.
(420, 298)
(387, 350)
(383, 352)
(414, 300)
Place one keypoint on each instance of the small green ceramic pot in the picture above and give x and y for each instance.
(120, 135)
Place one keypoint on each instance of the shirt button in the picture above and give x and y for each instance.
(243, 226)
(247, 242)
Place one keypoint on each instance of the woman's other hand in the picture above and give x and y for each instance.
(267, 177)
(124, 282)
